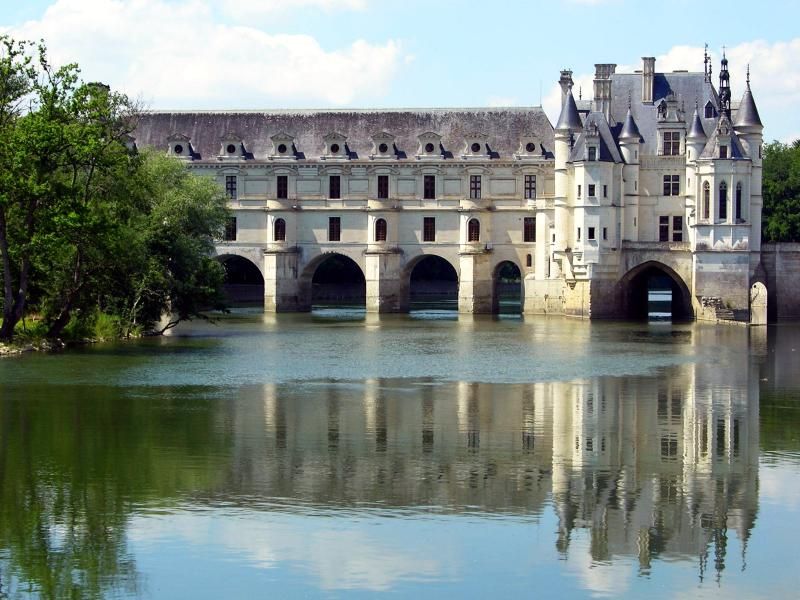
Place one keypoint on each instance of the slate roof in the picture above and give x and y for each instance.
(609, 152)
(747, 113)
(569, 117)
(504, 127)
(736, 148)
(696, 131)
(690, 89)
(629, 129)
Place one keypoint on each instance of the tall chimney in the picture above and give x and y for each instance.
(648, 74)
(602, 88)
(565, 82)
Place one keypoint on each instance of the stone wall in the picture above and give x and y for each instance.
(782, 265)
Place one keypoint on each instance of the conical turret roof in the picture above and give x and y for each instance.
(747, 114)
(569, 118)
(629, 129)
(696, 131)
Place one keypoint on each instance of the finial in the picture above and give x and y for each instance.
(629, 100)
(748, 74)
(706, 61)
(580, 93)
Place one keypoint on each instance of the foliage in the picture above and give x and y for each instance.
(781, 190)
(88, 225)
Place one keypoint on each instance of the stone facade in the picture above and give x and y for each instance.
(629, 186)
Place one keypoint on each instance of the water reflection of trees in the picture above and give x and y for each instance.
(73, 468)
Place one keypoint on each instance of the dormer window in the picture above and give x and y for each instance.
(592, 153)
(529, 147)
(283, 146)
(383, 145)
(723, 151)
(335, 146)
(179, 146)
(429, 145)
(475, 146)
(231, 147)
(709, 111)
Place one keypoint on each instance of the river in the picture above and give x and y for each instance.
(430, 455)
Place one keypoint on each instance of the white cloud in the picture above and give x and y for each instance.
(774, 70)
(245, 10)
(175, 55)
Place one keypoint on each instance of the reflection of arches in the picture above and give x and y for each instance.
(654, 276)
(473, 230)
(333, 278)
(244, 283)
(432, 278)
(508, 288)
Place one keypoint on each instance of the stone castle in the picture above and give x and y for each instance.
(657, 179)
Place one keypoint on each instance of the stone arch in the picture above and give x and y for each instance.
(504, 291)
(431, 279)
(636, 282)
(244, 279)
(332, 278)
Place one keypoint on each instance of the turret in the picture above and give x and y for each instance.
(749, 129)
(568, 126)
(629, 138)
(696, 138)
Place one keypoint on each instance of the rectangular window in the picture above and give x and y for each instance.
(579, 190)
(672, 143)
(592, 153)
(230, 186)
(590, 233)
(723, 152)
(677, 229)
(429, 229)
(579, 234)
(230, 230)
(383, 187)
(335, 187)
(530, 187)
(663, 229)
(605, 233)
(672, 185)
(605, 191)
(529, 229)
(592, 190)
(429, 187)
(475, 187)
(334, 229)
(283, 187)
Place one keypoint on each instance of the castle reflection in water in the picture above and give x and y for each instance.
(652, 467)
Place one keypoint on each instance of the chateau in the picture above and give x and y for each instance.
(657, 179)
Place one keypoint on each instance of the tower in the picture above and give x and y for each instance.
(749, 129)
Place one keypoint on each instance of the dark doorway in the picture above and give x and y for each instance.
(654, 294)
(338, 281)
(433, 285)
(507, 289)
(244, 284)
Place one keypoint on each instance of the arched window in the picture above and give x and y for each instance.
(739, 202)
(706, 201)
(279, 230)
(723, 201)
(380, 230)
(473, 231)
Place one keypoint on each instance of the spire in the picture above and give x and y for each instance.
(629, 129)
(569, 118)
(724, 87)
(706, 65)
(747, 114)
(696, 131)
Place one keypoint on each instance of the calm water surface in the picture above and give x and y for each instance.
(430, 455)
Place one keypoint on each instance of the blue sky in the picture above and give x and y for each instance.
(311, 53)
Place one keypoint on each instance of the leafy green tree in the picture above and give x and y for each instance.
(86, 223)
(781, 189)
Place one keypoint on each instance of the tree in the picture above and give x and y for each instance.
(781, 189)
(86, 223)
